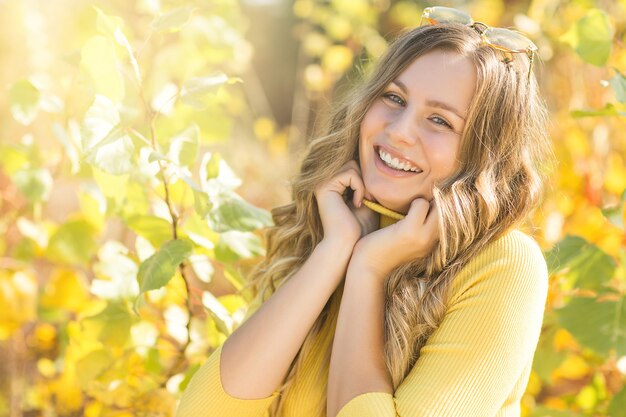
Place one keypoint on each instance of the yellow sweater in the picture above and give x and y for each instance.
(476, 364)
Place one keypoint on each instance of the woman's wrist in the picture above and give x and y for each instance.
(365, 263)
(337, 247)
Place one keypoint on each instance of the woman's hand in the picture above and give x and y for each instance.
(343, 221)
(413, 237)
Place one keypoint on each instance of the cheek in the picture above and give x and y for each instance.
(373, 119)
(443, 157)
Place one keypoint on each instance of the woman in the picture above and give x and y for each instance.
(396, 283)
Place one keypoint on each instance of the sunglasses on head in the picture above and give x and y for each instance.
(500, 38)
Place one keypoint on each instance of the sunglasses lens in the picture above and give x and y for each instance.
(438, 14)
(510, 40)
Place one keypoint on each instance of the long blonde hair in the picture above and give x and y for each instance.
(503, 150)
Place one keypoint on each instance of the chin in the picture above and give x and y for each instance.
(397, 206)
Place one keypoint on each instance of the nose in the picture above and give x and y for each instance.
(402, 130)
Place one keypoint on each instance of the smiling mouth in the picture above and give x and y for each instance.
(394, 163)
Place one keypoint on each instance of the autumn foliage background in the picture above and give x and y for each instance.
(143, 143)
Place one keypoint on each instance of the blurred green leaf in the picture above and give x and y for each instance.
(24, 100)
(591, 37)
(108, 25)
(105, 143)
(73, 243)
(588, 266)
(196, 90)
(112, 324)
(92, 365)
(113, 187)
(609, 109)
(199, 232)
(156, 271)
(112, 26)
(219, 313)
(232, 212)
(99, 60)
(618, 83)
(235, 245)
(173, 20)
(546, 358)
(35, 184)
(599, 325)
(213, 166)
(617, 407)
(542, 411)
(156, 229)
(201, 202)
(184, 146)
(614, 214)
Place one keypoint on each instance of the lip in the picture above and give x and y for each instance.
(382, 166)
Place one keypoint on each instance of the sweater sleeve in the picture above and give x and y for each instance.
(205, 396)
(478, 353)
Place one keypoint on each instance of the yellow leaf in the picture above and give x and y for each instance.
(564, 340)
(338, 28)
(565, 204)
(337, 59)
(45, 336)
(355, 8)
(156, 402)
(487, 11)
(65, 290)
(534, 384)
(315, 78)
(46, 367)
(93, 409)
(577, 142)
(587, 398)
(303, 8)
(69, 397)
(315, 44)
(615, 178)
(279, 144)
(573, 367)
(555, 403)
(264, 128)
(405, 13)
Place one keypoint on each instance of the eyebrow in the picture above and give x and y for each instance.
(430, 102)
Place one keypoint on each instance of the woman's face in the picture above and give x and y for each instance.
(416, 124)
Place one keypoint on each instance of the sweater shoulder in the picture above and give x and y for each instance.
(511, 260)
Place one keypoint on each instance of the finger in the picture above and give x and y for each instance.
(418, 210)
(353, 164)
(431, 223)
(356, 183)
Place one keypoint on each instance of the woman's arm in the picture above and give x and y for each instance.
(257, 356)
(357, 365)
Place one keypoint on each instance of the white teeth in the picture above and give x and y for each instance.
(394, 162)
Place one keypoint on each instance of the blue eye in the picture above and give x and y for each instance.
(443, 122)
(395, 98)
